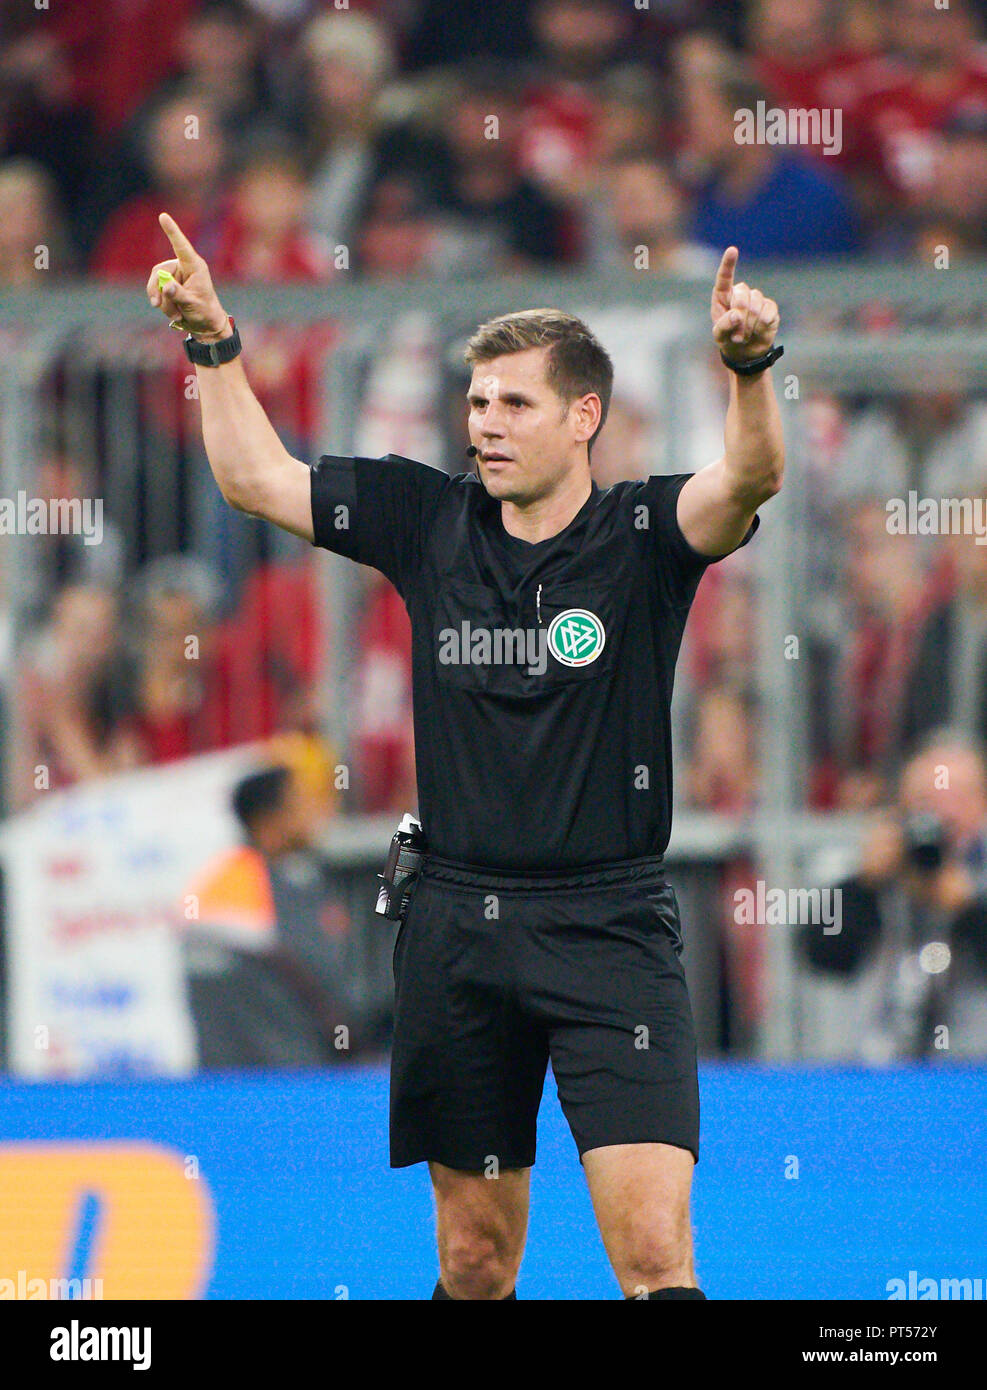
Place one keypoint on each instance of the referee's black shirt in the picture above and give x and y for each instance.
(565, 763)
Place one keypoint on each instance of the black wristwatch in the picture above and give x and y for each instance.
(755, 365)
(213, 354)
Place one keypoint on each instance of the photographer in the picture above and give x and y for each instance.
(914, 915)
(265, 955)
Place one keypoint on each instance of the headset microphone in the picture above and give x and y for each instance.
(472, 451)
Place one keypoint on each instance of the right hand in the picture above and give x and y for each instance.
(883, 856)
(188, 301)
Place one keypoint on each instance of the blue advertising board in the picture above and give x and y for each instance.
(815, 1182)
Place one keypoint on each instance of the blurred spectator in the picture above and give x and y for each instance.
(382, 731)
(444, 34)
(663, 25)
(913, 928)
(937, 73)
(723, 631)
(64, 557)
(41, 119)
(644, 207)
(645, 347)
(401, 234)
(186, 158)
(631, 112)
(71, 696)
(267, 655)
(722, 773)
(624, 448)
(862, 669)
(577, 42)
(800, 52)
(265, 955)
(948, 682)
(766, 199)
(219, 54)
(504, 219)
(402, 384)
(933, 440)
(264, 236)
(33, 248)
(953, 213)
(177, 708)
(348, 60)
(117, 51)
(217, 58)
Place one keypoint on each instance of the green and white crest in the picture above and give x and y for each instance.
(576, 637)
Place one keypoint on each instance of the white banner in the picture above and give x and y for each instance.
(94, 878)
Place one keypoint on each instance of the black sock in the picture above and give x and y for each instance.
(678, 1292)
(439, 1292)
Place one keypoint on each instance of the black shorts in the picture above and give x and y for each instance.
(496, 973)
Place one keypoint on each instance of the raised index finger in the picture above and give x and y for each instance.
(724, 275)
(180, 243)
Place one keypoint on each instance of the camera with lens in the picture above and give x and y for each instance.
(926, 841)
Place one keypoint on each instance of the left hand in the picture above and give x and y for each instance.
(949, 888)
(744, 321)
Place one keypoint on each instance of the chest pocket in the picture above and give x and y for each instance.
(566, 635)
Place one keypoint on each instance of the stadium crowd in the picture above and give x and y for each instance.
(298, 142)
(367, 127)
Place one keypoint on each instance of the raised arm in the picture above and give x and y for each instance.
(717, 505)
(253, 470)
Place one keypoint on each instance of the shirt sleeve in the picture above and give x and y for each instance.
(680, 566)
(375, 511)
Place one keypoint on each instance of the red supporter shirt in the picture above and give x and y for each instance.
(832, 81)
(132, 240)
(558, 130)
(119, 51)
(299, 257)
(896, 123)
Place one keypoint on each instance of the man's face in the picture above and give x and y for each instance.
(271, 201)
(960, 188)
(184, 156)
(341, 86)
(873, 556)
(946, 781)
(577, 34)
(527, 440)
(294, 823)
(85, 621)
(217, 49)
(792, 28)
(710, 125)
(927, 36)
(467, 126)
(644, 203)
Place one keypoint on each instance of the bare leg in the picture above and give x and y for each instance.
(481, 1225)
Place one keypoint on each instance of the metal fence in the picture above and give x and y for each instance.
(90, 388)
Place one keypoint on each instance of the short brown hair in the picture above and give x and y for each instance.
(577, 363)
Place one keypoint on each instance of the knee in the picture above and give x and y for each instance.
(656, 1258)
(477, 1265)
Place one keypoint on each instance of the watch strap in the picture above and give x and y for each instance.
(755, 364)
(213, 354)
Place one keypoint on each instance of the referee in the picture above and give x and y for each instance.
(546, 617)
